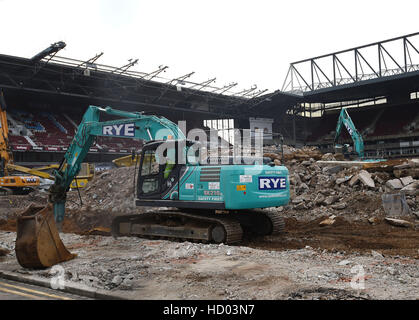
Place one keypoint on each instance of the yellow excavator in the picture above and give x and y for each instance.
(11, 184)
(126, 161)
(19, 184)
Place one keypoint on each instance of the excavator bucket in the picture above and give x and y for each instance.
(38, 244)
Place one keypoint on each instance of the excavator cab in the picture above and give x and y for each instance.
(159, 170)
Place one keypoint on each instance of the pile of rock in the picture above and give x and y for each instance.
(321, 188)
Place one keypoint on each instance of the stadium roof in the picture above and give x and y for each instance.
(367, 71)
(51, 74)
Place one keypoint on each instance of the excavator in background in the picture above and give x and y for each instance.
(19, 184)
(346, 149)
(211, 202)
(126, 161)
(11, 184)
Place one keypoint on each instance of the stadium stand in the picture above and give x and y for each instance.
(394, 119)
(50, 131)
(372, 122)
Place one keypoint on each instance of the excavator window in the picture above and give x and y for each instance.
(150, 170)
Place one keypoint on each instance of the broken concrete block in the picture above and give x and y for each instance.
(339, 206)
(328, 157)
(344, 179)
(402, 166)
(376, 254)
(304, 186)
(406, 180)
(117, 280)
(330, 200)
(365, 178)
(411, 189)
(332, 170)
(344, 262)
(299, 206)
(413, 163)
(297, 200)
(327, 222)
(354, 180)
(394, 184)
(414, 172)
(398, 222)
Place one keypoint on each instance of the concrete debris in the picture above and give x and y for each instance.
(344, 179)
(413, 172)
(327, 222)
(330, 200)
(339, 206)
(376, 254)
(332, 170)
(406, 180)
(394, 184)
(398, 222)
(328, 157)
(411, 189)
(344, 262)
(354, 180)
(352, 188)
(365, 178)
(413, 163)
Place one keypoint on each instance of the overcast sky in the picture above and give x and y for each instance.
(249, 42)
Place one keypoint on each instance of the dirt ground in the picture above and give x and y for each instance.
(308, 261)
(356, 236)
(157, 269)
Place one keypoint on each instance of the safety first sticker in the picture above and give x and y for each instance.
(214, 185)
(241, 187)
(245, 178)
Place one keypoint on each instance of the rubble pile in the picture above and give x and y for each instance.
(324, 188)
(334, 189)
(109, 194)
(291, 153)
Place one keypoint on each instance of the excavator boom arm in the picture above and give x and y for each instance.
(38, 244)
(135, 125)
(6, 155)
(345, 120)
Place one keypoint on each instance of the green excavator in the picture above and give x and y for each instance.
(210, 202)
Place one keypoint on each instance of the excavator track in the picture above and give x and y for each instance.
(179, 225)
(203, 227)
(260, 222)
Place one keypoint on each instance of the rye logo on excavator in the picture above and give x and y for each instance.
(121, 130)
(273, 183)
